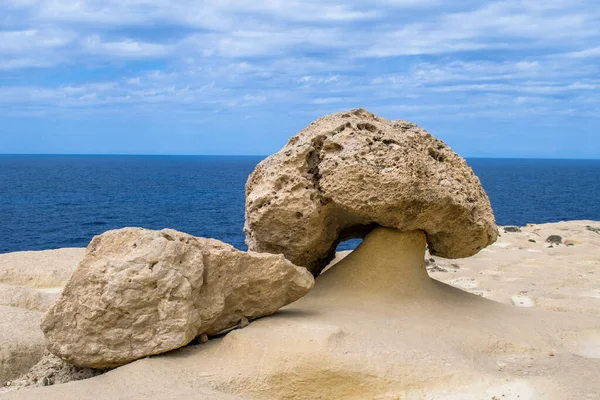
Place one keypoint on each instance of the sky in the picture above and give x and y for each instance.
(511, 78)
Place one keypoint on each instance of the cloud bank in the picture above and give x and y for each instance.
(528, 64)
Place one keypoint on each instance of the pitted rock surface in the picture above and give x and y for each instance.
(348, 172)
(139, 292)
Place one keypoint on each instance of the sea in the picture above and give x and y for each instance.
(54, 201)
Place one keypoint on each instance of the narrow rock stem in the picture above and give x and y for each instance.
(387, 263)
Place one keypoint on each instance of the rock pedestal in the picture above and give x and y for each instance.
(348, 172)
(388, 264)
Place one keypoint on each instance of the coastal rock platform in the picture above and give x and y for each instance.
(30, 282)
(519, 320)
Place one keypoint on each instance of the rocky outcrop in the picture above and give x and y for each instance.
(39, 269)
(593, 229)
(30, 282)
(52, 370)
(139, 292)
(349, 172)
(26, 297)
(21, 342)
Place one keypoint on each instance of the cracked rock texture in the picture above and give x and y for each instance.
(348, 172)
(139, 292)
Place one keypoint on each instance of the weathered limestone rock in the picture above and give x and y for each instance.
(21, 342)
(39, 269)
(348, 172)
(52, 370)
(139, 292)
(26, 297)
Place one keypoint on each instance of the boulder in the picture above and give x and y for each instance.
(347, 173)
(139, 292)
(21, 342)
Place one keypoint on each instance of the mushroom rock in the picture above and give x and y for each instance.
(387, 271)
(349, 172)
(139, 292)
(386, 265)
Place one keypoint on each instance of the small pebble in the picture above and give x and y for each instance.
(244, 322)
(203, 338)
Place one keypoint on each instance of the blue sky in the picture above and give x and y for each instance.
(492, 79)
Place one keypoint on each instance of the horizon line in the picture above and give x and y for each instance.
(267, 155)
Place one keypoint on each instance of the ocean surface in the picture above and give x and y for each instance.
(50, 202)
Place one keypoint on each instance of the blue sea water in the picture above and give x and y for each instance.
(63, 201)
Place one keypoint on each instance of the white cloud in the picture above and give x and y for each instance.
(417, 56)
(20, 63)
(505, 25)
(223, 14)
(263, 41)
(591, 52)
(32, 39)
(533, 87)
(327, 100)
(124, 48)
(133, 81)
(33, 48)
(308, 79)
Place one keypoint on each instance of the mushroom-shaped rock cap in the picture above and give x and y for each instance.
(348, 172)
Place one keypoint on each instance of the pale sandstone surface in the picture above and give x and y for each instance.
(30, 282)
(39, 269)
(346, 172)
(26, 297)
(139, 292)
(21, 341)
(376, 327)
(516, 271)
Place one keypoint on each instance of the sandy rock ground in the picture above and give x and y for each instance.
(44, 270)
(21, 341)
(30, 283)
(528, 329)
(521, 268)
